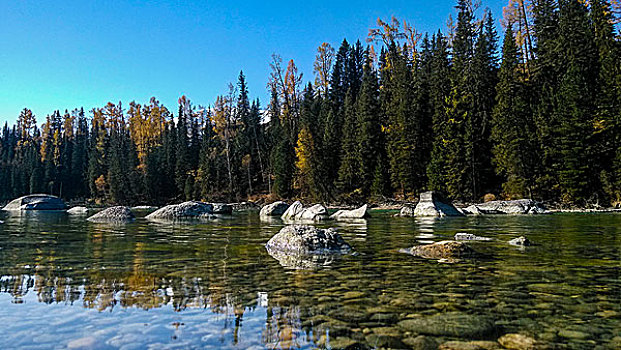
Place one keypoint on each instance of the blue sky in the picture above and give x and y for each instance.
(68, 54)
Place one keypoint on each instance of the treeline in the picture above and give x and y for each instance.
(408, 112)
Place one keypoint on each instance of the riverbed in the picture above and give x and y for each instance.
(69, 283)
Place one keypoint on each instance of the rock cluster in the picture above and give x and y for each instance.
(117, 214)
(36, 202)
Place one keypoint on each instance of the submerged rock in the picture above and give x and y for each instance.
(519, 206)
(36, 202)
(78, 211)
(517, 341)
(359, 213)
(297, 212)
(521, 241)
(185, 210)
(434, 204)
(274, 209)
(442, 250)
(113, 214)
(451, 324)
(462, 236)
(222, 209)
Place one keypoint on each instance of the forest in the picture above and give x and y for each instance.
(535, 114)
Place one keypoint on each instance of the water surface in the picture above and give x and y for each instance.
(68, 283)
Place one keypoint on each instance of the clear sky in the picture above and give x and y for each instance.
(68, 54)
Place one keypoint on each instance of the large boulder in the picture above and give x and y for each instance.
(78, 211)
(36, 202)
(432, 203)
(518, 206)
(117, 214)
(297, 212)
(185, 210)
(359, 213)
(442, 250)
(274, 209)
(308, 240)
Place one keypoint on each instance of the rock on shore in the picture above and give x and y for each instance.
(222, 209)
(359, 213)
(297, 212)
(433, 204)
(117, 214)
(36, 202)
(185, 210)
(518, 206)
(274, 209)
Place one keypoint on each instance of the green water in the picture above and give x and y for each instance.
(67, 283)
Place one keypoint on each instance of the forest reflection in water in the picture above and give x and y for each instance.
(219, 274)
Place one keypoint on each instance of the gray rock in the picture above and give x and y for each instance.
(433, 204)
(442, 250)
(359, 213)
(306, 247)
(144, 207)
(222, 209)
(301, 239)
(36, 202)
(185, 210)
(78, 211)
(407, 211)
(521, 241)
(462, 236)
(245, 206)
(117, 214)
(274, 209)
(451, 324)
(297, 212)
(519, 206)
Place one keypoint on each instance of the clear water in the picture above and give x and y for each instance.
(68, 283)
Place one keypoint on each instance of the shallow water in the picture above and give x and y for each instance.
(68, 283)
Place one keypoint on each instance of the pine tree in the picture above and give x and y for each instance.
(348, 171)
